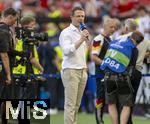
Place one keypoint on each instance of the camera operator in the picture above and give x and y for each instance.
(118, 64)
(8, 19)
(29, 62)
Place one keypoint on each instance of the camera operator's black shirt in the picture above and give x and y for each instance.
(6, 41)
(4, 38)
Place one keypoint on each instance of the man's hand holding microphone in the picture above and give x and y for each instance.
(84, 35)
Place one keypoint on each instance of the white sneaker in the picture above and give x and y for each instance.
(147, 115)
(52, 111)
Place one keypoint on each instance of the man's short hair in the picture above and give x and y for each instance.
(130, 24)
(75, 9)
(107, 20)
(142, 8)
(137, 36)
(27, 20)
(9, 11)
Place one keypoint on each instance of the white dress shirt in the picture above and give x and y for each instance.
(72, 57)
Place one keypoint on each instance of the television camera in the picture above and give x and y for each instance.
(30, 36)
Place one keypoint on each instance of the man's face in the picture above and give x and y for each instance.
(110, 28)
(11, 20)
(78, 17)
(141, 13)
(31, 25)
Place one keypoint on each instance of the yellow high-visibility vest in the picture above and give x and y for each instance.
(22, 69)
(59, 54)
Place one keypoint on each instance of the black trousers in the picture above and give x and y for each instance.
(100, 89)
(135, 81)
(100, 94)
(52, 88)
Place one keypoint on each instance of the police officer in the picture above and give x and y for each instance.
(118, 64)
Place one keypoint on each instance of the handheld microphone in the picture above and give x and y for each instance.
(82, 26)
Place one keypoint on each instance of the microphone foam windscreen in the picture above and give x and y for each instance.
(82, 26)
